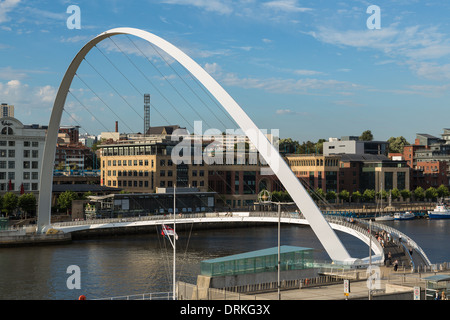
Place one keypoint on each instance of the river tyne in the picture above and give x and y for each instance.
(136, 264)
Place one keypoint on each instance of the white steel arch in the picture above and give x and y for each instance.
(320, 226)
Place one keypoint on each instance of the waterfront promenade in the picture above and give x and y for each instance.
(391, 285)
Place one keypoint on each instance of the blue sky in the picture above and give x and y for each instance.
(311, 69)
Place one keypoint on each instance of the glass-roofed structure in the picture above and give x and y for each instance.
(265, 260)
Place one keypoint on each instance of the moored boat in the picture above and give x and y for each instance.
(386, 217)
(440, 212)
(404, 215)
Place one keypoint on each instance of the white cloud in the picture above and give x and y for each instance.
(212, 68)
(46, 94)
(27, 99)
(7, 6)
(280, 85)
(221, 7)
(289, 112)
(307, 72)
(285, 5)
(419, 48)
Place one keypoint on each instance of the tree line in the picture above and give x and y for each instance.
(10, 202)
(290, 146)
(370, 195)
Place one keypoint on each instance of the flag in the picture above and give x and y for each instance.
(168, 231)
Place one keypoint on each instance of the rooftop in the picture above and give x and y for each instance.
(258, 253)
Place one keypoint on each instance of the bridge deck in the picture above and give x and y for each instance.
(356, 227)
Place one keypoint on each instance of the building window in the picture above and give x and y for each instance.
(26, 164)
(35, 153)
(11, 164)
(26, 176)
(7, 131)
(34, 175)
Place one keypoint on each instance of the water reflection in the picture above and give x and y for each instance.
(136, 264)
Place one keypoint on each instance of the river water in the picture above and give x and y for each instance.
(136, 264)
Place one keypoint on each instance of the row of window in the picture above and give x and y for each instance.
(27, 144)
(11, 153)
(12, 164)
(140, 173)
(26, 186)
(145, 183)
(12, 175)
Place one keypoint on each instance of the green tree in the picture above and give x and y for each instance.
(87, 194)
(442, 191)
(286, 146)
(27, 202)
(369, 195)
(395, 193)
(419, 193)
(397, 144)
(331, 196)
(10, 201)
(366, 136)
(383, 194)
(65, 200)
(405, 193)
(320, 193)
(344, 195)
(431, 193)
(281, 196)
(356, 196)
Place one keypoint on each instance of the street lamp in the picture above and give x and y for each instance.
(265, 197)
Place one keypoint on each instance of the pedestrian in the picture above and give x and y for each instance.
(395, 265)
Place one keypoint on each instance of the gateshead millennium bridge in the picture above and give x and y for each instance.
(311, 213)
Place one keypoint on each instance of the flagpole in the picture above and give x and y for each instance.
(174, 241)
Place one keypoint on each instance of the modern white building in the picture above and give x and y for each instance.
(352, 145)
(21, 151)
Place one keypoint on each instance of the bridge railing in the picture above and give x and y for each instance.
(401, 237)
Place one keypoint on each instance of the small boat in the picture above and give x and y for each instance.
(386, 217)
(440, 212)
(404, 216)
